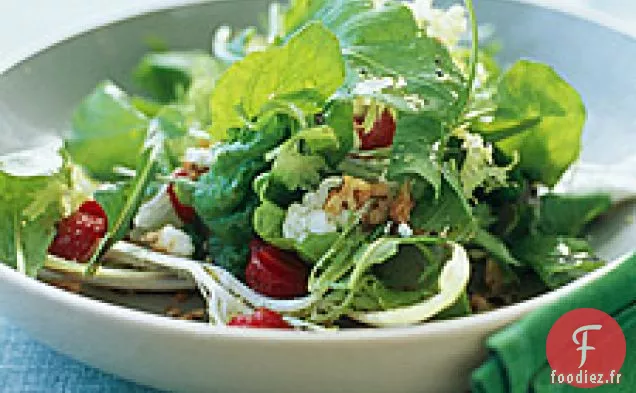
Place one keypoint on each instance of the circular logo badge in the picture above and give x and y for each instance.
(586, 348)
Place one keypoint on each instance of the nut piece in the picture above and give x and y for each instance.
(402, 205)
(169, 240)
(355, 193)
(350, 196)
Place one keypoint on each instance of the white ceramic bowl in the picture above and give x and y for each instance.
(37, 97)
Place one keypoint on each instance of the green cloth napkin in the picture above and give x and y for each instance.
(518, 363)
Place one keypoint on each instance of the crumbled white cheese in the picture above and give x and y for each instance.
(201, 157)
(318, 222)
(405, 230)
(372, 86)
(174, 242)
(388, 227)
(447, 25)
(563, 249)
(309, 217)
(157, 213)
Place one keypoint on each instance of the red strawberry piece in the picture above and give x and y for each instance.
(79, 234)
(262, 318)
(275, 273)
(186, 213)
(380, 135)
(94, 209)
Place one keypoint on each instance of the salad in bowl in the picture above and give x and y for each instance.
(355, 163)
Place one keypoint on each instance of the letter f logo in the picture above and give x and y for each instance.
(584, 347)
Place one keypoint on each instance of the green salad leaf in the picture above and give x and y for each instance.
(123, 201)
(549, 115)
(450, 212)
(308, 66)
(228, 182)
(224, 198)
(565, 215)
(107, 132)
(268, 224)
(167, 76)
(34, 183)
(414, 153)
(556, 259)
(496, 247)
(385, 42)
(553, 246)
(339, 116)
(230, 237)
(302, 160)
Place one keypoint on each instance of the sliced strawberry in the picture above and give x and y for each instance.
(380, 135)
(186, 213)
(275, 273)
(79, 234)
(262, 318)
(94, 209)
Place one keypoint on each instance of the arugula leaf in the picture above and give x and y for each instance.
(550, 245)
(557, 260)
(379, 296)
(108, 131)
(385, 42)
(568, 215)
(339, 116)
(112, 197)
(124, 202)
(413, 150)
(168, 75)
(449, 212)
(530, 90)
(381, 251)
(309, 62)
(495, 246)
(34, 184)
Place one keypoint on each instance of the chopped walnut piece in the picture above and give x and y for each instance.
(402, 205)
(351, 195)
(194, 171)
(173, 312)
(378, 213)
(494, 277)
(194, 315)
(480, 304)
(355, 193)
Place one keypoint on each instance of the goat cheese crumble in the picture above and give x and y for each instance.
(446, 25)
(309, 217)
(174, 242)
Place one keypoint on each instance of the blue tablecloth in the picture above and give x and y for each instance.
(29, 367)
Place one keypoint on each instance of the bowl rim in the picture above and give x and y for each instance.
(78, 304)
(85, 305)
